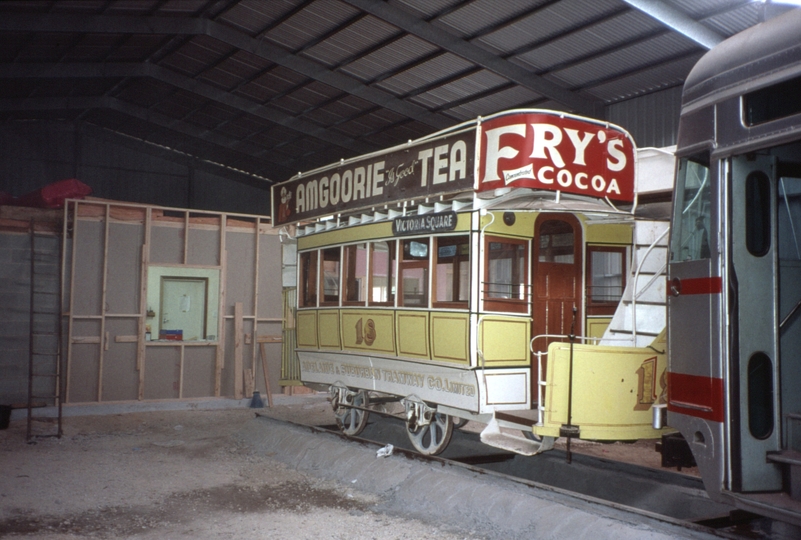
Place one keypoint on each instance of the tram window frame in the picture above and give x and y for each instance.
(392, 259)
(336, 254)
(518, 301)
(308, 282)
(354, 284)
(689, 238)
(460, 259)
(604, 307)
(410, 261)
(771, 103)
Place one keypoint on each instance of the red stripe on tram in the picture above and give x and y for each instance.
(697, 396)
(710, 285)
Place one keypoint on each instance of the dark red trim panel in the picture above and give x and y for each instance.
(706, 285)
(697, 396)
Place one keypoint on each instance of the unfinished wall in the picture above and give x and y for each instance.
(141, 275)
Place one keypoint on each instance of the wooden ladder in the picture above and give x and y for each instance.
(45, 370)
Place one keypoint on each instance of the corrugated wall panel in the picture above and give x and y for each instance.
(653, 119)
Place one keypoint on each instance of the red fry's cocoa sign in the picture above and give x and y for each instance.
(547, 151)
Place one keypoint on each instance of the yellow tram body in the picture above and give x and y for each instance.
(458, 320)
(614, 389)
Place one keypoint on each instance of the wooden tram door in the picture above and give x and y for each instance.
(556, 268)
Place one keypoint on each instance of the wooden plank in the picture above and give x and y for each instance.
(141, 348)
(126, 339)
(181, 374)
(250, 382)
(238, 375)
(269, 338)
(266, 376)
(256, 263)
(103, 303)
(86, 339)
(219, 361)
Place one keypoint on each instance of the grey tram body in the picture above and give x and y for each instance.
(734, 328)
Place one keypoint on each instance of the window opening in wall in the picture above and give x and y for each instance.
(414, 273)
(182, 303)
(308, 279)
(355, 274)
(331, 267)
(452, 271)
(382, 273)
(505, 274)
(605, 278)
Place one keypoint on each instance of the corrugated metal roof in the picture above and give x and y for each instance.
(285, 85)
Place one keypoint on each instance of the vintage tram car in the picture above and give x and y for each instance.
(497, 272)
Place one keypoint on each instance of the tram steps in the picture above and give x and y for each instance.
(493, 436)
(642, 307)
(791, 460)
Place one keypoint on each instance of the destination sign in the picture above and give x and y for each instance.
(424, 224)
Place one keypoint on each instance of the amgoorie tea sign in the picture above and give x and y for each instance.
(548, 151)
(419, 170)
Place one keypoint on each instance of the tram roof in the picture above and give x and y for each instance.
(771, 49)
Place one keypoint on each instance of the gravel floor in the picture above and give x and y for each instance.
(180, 474)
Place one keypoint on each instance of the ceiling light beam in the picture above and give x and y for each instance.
(678, 21)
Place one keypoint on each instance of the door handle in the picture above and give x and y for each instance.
(675, 286)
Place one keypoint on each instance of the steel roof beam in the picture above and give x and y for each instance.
(171, 154)
(122, 69)
(572, 100)
(193, 131)
(106, 24)
(678, 21)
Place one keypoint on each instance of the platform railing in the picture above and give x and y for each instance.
(635, 294)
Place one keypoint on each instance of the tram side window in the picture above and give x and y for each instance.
(690, 230)
(355, 271)
(414, 273)
(308, 279)
(452, 271)
(506, 274)
(330, 278)
(382, 273)
(605, 278)
(789, 218)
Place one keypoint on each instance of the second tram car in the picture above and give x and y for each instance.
(496, 272)
(735, 270)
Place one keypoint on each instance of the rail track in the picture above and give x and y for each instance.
(665, 494)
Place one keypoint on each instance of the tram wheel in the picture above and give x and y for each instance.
(432, 439)
(353, 421)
